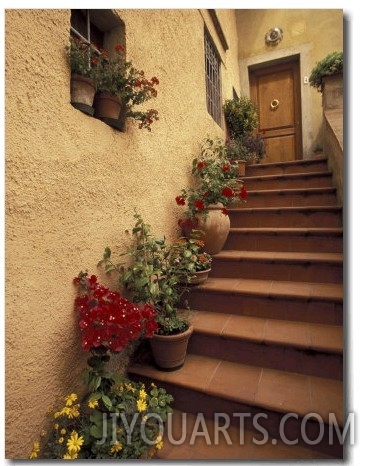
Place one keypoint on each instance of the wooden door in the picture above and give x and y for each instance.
(276, 91)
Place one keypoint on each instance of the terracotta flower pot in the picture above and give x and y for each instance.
(169, 351)
(82, 92)
(216, 227)
(107, 105)
(199, 277)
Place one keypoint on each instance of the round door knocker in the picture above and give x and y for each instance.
(274, 104)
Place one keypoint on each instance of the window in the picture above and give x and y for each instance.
(104, 29)
(212, 72)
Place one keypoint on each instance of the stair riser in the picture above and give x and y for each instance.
(321, 181)
(263, 170)
(321, 273)
(213, 407)
(284, 199)
(275, 357)
(285, 219)
(269, 307)
(247, 241)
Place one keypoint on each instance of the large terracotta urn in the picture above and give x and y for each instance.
(215, 226)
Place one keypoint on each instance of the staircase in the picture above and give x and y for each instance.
(268, 324)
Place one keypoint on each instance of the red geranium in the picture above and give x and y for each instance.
(228, 192)
(107, 319)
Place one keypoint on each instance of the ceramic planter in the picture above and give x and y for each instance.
(107, 106)
(82, 92)
(169, 351)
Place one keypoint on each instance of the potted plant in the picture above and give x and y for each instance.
(119, 84)
(190, 256)
(330, 65)
(157, 278)
(83, 61)
(117, 418)
(216, 187)
(241, 116)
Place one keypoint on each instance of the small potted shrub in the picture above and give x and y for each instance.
(241, 116)
(120, 84)
(156, 277)
(83, 61)
(331, 65)
(216, 187)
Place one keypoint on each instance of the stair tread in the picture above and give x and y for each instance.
(302, 335)
(270, 389)
(291, 162)
(326, 189)
(274, 288)
(294, 231)
(271, 256)
(329, 208)
(287, 175)
(235, 448)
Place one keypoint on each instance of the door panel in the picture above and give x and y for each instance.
(276, 91)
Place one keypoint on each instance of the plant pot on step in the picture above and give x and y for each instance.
(107, 106)
(215, 226)
(199, 277)
(82, 92)
(241, 167)
(169, 351)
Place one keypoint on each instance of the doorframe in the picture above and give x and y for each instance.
(278, 56)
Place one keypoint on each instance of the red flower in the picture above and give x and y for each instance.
(180, 200)
(225, 168)
(155, 80)
(243, 193)
(228, 192)
(201, 164)
(119, 48)
(224, 211)
(205, 194)
(199, 205)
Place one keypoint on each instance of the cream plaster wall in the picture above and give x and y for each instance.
(312, 34)
(72, 183)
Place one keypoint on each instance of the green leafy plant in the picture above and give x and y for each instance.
(117, 418)
(331, 64)
(215, 181)
(190, 255)
(82, 57)
(155, 276)
(119, 77)
(250, 147)
(241, 116)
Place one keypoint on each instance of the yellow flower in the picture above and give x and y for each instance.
(63, 431)
(142, 394)
(61, 440)
(117, 446)
(71, 398)
(34, 452)
(141, 405)
(74, 443)
(56, 426)
(70, 456)
(159, 442)
(93, 404)
(128, 386)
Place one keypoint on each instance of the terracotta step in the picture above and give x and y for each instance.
(209, 385)
(322, 179)
(294, 166)
(289, 266)
(286, 217)
(307, 348)
(283, 300)
(286, 239)
(230, 443)
(291, 197)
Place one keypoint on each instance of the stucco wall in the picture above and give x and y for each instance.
(72, 183)
(312, 34)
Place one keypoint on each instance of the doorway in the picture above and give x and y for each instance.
(276, 90)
